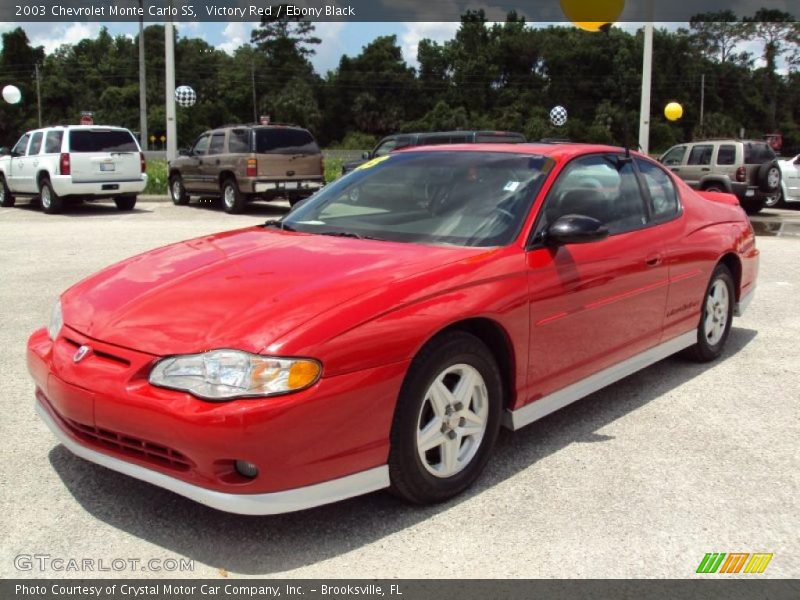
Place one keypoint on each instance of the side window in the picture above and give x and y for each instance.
(701, 155)
(663, 196)
(22, 145)
(36, 143)
(52, 143)
(239, 141)
(201, 145)
(602, 187)
(726, 155)
(386, 147)
(217, 145)
(435, 140)
(674, 156)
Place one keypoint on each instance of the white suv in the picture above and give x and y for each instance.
(73, 163)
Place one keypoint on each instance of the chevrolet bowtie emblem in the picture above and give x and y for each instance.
(82, 352)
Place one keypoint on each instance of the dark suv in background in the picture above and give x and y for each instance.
(241, 163)
(747, 168)
(403, 140)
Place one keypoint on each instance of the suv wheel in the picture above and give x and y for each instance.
(754, 205)
(51, 202)
(769, 177)
(126, 202)
(6, 198)
(233, 201)
(177, 191)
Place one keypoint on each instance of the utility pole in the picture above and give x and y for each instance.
(142, 82)
(169, 55)
(253, 78)
(647, 78)
(702, 101)
(38, 94)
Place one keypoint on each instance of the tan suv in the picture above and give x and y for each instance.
(241, 163)
(747, 168)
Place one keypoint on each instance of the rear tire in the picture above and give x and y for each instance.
(753, 206)
(233, 201)
(51, 202)
(6, 197)
(716, 317)
(769, 178)
(125, 202)
(446, 421)
(177, 191)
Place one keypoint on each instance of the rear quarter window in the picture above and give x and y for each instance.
(285, 141)
(239, 141)
(756, 153)
(52, 143)
(110, 140)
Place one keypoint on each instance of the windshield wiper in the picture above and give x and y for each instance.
(349, 234)
(278, 224)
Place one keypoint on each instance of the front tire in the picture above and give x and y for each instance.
(125, 202)
(6, 197)
(233, 201)
(177, 191)
(51, 202)
(447, 419)
(716, 317)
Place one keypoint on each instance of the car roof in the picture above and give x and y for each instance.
(555, 151)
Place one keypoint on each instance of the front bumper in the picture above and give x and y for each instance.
(317, 446)
(64, 186)
(243, 504)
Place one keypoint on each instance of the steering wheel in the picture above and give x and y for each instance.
(437, 195)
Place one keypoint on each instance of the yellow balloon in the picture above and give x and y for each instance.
(579, 11)
(673, 111)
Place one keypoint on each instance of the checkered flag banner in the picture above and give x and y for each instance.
(558, 116)
(185, 96)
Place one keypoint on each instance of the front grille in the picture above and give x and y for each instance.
(131, 446)
(100, 354)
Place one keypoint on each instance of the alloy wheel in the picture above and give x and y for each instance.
(717, 305)
(452, 420)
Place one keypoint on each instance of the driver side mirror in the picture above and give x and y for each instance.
(575, 229)
(185, 152)
(365, 155)
(4, 151)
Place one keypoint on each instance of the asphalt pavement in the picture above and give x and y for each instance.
(638, 480)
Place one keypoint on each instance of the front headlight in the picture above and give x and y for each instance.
(228, 374)
(56, 321)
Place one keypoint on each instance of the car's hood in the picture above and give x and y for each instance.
(240, 289)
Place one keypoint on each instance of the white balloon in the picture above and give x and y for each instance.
(558, 116)
(185, 96)
(11, 94)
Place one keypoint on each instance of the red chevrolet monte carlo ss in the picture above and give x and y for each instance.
(381, 333)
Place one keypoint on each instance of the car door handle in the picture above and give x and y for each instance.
(218, 161)
(674, 169)
(706, 169)
(199, 162)
(653, 261)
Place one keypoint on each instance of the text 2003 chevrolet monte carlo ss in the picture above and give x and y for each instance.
(382, 332)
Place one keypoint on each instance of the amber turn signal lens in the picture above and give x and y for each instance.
(302, 374)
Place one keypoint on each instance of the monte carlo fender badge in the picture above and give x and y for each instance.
(82, 353)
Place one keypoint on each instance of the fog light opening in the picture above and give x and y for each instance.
(246, 469)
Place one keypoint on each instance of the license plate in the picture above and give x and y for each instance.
(750, 193)
(291, 185)
(107, 166)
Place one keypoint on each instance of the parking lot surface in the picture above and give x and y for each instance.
(638, 480)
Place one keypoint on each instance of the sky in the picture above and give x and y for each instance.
(338, 38)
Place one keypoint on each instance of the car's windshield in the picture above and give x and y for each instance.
(453, 198)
